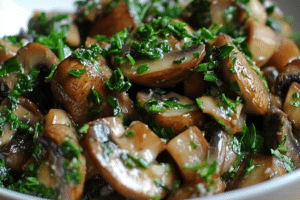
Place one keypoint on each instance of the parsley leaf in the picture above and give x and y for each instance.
(77, 72)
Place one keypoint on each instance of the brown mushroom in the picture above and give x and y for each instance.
(231, 119)
(246, 76)
(290, 74)
(7, 50)
(285, 52)
(278, 131)
(187, 149)
(179, 117)
(56, 164)
(163, 72)
(291, 106)
(131, 176)
(262, 42)
(256, 169)
(31, 56)
(195, 85)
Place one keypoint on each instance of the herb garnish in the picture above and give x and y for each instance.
(117, 82)
(77, 72)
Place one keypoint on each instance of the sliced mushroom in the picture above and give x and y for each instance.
(140, 141)
(285, 52)
(25, 111)
(219, 148)
(56, 164)
(115, 21)
(187, 149)
(163, 72)
(289, 75)
(261, 168)
(33, 55)
(198, 188)
(177, 118)
(58, 116)
(195, 85)
(116, 165)
(7, 50)
(271, 74)
(291, 105)
(277, 126)
(258, 12)
(71, 92)
(231, 119)
(251, 86)
(262, 42)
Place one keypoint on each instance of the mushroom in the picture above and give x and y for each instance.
(291, 106)
(31, 56)
(182, 114)
(231, 119)
(26, 112)
(198, 188)
(73, 92)
(219, 148)
(113, 22)
(163, 72)
(290, 74)
(187, 149)
(262, 42)
(7, 50)
(57, 164)
(258, 12)
(271, 74)
(277, 127)
(131, 176)
(285, 52)
(195, 85)
(246, 76)
(255, 169)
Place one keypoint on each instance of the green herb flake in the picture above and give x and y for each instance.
(235, 87)
(84, 129)
(295, 95)
(130, 134)
(159, 183)
(131, 59)
(143, 68)
(194, 145)
(9, 66)
(117, 82)
(77, 72)
(199, 102)
(3, 48)
(70, 149)
(53, 69)
(179, 61)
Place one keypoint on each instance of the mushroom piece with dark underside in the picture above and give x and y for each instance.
(125, 170)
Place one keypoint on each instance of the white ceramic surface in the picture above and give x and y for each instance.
(15, 13)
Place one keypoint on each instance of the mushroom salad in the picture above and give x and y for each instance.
(160, 99)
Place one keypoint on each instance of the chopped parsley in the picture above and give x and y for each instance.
(143, 68)
(94, 102)
(53, 68)
(117, 82)
(194, 145)
(9, 66)
(179, 61)
(249, 167)
(114, 103)
(132, 161)
(130, 134)
(89, 54)
(77, 72)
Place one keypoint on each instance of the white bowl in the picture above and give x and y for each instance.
(284, 187)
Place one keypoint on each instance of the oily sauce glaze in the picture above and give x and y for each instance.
(149, 100)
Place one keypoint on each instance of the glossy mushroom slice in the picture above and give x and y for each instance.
(289, 75)
(291, 105)
(226, 112)
(278, 133)
(26, 112)
(164, 72)
(286, 51)
(199, 188)
(140, 141)
(247, 77)
(195, 85)
(219, 147)
(7, 50)
(171, 110)
(63, 167)
(187, 149)
(256, 169)
(33, 55)
(131, 176)
(262, 42)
